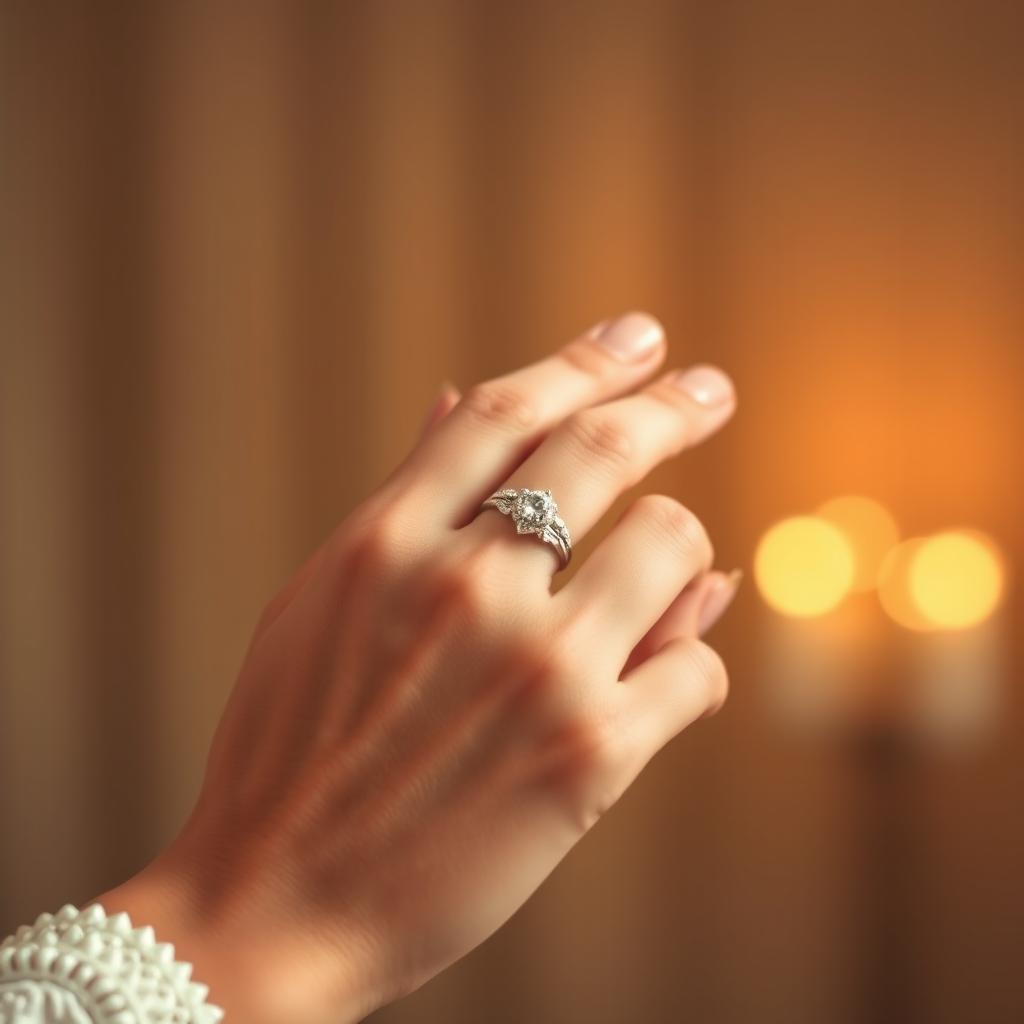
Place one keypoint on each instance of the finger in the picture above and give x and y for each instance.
(599, 452)
(637, 571)
(717, 600)
(496, 423)
(695, 610)
(684, 681)
(446, 401)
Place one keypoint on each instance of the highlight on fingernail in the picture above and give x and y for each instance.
(706, 385)
(631, 337)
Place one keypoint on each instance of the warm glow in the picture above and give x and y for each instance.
(871, 531)
(894, 586)
(956, 579)
(804, 566)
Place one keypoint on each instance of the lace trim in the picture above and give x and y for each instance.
(115, 973)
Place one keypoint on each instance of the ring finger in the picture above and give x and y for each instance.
(599, 452)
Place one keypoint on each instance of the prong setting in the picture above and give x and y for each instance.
(534, 511)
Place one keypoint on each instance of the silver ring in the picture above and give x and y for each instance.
(534, 512)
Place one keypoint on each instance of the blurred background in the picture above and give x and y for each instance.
(242, 244)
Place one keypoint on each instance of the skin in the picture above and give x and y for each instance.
(422, 727)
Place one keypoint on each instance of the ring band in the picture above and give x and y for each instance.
(534, 512)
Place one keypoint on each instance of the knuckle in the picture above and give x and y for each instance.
(675, 525)
(586, 766)
(540, 669)
(708, 672)
(600, 435)
(498, 403)
(593, 742)
(457, 588)
(375, 547)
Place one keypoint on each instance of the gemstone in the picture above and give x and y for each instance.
(534, 510)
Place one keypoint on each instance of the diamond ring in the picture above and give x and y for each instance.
(534, 512)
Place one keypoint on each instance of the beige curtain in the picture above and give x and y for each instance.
(242, 245)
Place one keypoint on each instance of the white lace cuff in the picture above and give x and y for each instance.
(82, 967)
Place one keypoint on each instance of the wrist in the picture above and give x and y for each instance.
(254, 972)
(160, 900)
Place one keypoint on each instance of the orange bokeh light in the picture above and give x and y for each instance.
(804, 566)
(951, 580)
(956, 579)
(871, 531)
(894, 586)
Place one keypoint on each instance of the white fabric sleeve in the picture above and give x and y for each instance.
(83, 967)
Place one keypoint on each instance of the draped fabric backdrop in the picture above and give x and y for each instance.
(242, 245)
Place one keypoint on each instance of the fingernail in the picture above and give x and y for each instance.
(630, 337)
(717, 600)
(706, 385)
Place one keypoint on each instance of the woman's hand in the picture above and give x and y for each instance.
(421, 729)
